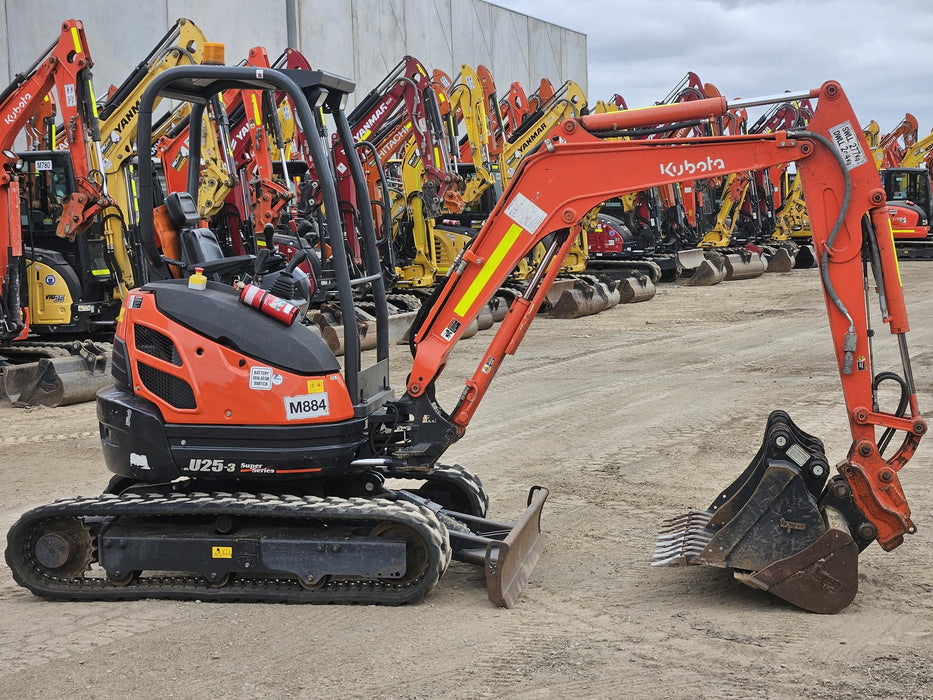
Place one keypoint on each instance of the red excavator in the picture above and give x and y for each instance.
(249, 465)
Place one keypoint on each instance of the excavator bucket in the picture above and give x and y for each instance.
(806, 257)
(689, 260)
(507, 551)
(780, 258)
(771, 528)
(710, 270)
(585, 298)
(637, 287)
(744, 265)
(60, 380)
(331, 328)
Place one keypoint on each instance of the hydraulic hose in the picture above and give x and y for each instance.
(849, 341)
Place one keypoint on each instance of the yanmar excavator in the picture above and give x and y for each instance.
(250, 466)
(55, 282)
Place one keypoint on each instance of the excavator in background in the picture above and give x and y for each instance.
(746, 228)
(910, 198)
(183, 44)
(642, 232)
(56, 287)
(253, 405)
(407, 89)
(893, 145)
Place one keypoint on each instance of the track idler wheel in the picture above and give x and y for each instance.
(770, 527)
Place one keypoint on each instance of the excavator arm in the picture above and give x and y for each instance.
(63, 67)
(579, 168)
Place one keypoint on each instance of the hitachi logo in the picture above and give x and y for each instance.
(700, 167)
(373, 118)
(18, 108)
(392, 144)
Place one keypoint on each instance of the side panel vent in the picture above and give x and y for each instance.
(156, 344)
(171, 389)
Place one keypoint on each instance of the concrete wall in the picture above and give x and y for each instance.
(361, 39)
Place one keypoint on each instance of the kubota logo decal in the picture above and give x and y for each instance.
(18, 108)
(672, 169)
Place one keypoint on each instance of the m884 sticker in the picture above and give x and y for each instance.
(307, 406)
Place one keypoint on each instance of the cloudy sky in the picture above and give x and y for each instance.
(881, 52)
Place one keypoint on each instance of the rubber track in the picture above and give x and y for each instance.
(239, 589)
(451, 474)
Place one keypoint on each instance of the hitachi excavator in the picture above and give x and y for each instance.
(56, 290)
(249, 465)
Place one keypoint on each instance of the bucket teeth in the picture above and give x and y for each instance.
(686, 520)
(683, 538)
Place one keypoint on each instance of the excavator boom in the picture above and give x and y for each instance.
(578, 168)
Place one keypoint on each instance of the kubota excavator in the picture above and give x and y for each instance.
(214, 401)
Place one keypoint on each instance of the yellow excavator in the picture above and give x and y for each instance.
(182, 45)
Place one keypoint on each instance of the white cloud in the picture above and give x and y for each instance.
(879, 52)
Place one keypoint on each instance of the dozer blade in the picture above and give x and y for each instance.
(509, 563)
(636, 288)
(744, 265)
(57, 381)
(769, 527)
(507, 552)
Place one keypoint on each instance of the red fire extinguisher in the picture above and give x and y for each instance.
(269, 304)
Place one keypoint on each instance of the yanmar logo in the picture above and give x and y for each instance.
(373, 118)
(18, 108)
(533, 136)
(700, 167)
(128, 118)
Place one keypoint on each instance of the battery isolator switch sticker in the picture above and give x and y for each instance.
(846, 140)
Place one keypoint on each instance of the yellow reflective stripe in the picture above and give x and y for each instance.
(437, 157)
(90, 88)
(100, 273)
(76, 39)
(487, 270)
(256, 117)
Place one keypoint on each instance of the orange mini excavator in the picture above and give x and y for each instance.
(249, 465)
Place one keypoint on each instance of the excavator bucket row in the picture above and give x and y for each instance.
(704, 267)
(582, 296)
(64, 375)
(773, 527)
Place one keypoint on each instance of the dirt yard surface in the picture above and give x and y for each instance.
(639, 413)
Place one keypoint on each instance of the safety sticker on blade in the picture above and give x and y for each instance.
(846, 141)
(221, 552)
(525, 213)
(307, 406)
